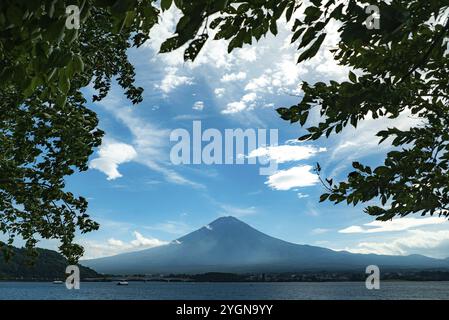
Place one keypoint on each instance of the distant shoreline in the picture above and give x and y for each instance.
(203, 279)
(141, 281)
(299, 277)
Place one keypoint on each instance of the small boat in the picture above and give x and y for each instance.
(58, 282)
(122, 283)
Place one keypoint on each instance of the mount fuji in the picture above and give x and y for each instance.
(230, 245)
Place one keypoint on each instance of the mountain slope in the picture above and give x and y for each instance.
(49, 265)
(229, 245)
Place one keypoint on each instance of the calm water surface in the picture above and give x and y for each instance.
(238, 291)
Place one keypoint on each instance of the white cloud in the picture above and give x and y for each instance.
(261, 83)
(214, 62)
(229, 77)
(110, 155)
(302, 195)
(286, 153)
(141, 241)
(234, 107)
(433, 243)
(149, 141)
(401, 237)
(248, 54)
(246, 103)
(300, 176)
(352, 229)
(172, 80)
(398, 224)
(95, 249)
(163, 30)
(249, 97)
(198, 105)
(219, 92)
(287, 72)
(214, 54)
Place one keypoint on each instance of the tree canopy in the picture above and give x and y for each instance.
(48, 133)
(46, 130)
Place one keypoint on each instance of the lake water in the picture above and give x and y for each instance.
(224, 291)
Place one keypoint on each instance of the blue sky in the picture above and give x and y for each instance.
(142, 200)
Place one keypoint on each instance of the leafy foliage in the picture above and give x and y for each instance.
(402, 67)
(46, 131)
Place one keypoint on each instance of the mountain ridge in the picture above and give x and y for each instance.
(230, 245)
(49, 265)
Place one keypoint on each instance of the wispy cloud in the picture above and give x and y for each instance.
(189, 117)
(399, 224)
(150, 141)
(433, 243)
(356, 143)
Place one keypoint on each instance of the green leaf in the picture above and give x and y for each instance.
(64, 81)
(352, 77)
(195, 47)
(324, 197)
(169, 45)
(273, 27)
(313, 49)
(166, 4)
